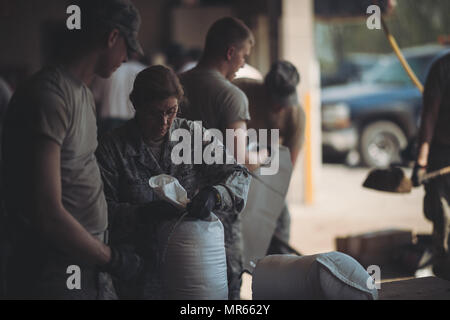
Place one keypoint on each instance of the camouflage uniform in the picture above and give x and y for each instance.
(127, 163)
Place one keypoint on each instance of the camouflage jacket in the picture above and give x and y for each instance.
(126, 164)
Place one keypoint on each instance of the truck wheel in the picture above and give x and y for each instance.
(381, 144)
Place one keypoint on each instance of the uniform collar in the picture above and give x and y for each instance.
(136, 145)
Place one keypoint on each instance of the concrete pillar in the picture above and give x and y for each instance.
(297, 46)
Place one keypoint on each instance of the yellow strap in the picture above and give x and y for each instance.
(308, 163)
(400, 56)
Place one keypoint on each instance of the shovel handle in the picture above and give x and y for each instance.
(437, 173)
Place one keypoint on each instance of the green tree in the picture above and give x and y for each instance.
(412, 23)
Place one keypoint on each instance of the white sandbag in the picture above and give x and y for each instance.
(343, 278)
(193, 263)
(330, 276)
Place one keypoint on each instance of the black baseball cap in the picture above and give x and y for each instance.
(281, 83)
(120, 14)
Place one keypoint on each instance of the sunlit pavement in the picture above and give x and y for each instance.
(343, 207)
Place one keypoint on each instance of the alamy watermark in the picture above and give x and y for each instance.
(209, 149)
(374, 281)
(374, 21)
(73, 22)
(74, 280)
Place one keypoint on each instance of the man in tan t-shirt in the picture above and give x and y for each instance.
(219, 104)
(54, 194)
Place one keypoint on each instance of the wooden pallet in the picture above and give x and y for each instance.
(429, 288)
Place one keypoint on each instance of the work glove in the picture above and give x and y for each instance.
(157, 211)
(149, 219)
(203, 203)
(124, 264)
(418, 175)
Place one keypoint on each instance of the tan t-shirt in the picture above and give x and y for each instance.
(213, 99)
(60, 107)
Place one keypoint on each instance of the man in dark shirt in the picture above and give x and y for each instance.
(434, 154)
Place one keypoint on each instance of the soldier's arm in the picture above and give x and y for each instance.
(251, 159)
(50, 217)
(295, 140)
(231, 180)
(432, 99)
(233, 190)
(122, 216)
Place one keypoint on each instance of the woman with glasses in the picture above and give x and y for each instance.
(130, 155)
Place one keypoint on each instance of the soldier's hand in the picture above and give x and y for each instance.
(158, 210)
(124, 264)
(264, 156)
(203, 203)
(418, 175)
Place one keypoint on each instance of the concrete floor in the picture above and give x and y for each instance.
(343, 207)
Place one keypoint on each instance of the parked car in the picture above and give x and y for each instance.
(349, 70)
(370, 122)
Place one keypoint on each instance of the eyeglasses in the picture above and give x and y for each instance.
(156, 114)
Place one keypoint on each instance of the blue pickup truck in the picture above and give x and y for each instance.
(371, 121)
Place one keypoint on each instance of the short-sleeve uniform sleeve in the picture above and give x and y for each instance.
(51, 116)
(234, 106)
(433, 83)
(437, 82)
(295, 129)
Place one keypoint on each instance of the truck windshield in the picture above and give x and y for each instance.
(389, 71)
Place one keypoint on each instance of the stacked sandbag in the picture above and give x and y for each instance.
(193, 263)
(327, 276)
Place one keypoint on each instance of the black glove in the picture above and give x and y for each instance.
(157, 211)
(124, 264)
(148, 221)
(203, 203)
(418, 175)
